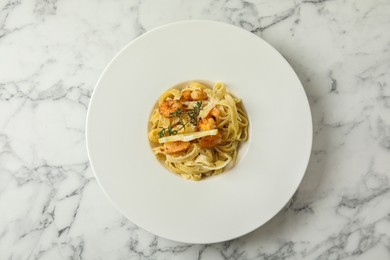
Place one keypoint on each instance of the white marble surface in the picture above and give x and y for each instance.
(51, 55)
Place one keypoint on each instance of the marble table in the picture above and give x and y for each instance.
(51, 55)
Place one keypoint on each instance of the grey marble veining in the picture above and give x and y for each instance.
(51, 55)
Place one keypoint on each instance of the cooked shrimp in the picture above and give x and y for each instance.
(210, 141)
(215, 112)
(186, 95)
(175, 147)
(207, 124)
(169, 106)
(198, 94)
(194, 95)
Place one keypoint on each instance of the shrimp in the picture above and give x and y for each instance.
(169, 106)
(210, 121)
(175, 147)
(210, 141)
(215, 112)
(194, 95)
(207, 124)
(186, 95)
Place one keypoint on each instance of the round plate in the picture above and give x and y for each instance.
(271, 165)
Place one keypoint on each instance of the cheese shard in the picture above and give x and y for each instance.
(187, 136)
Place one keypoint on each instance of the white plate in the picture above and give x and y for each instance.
(224, 207)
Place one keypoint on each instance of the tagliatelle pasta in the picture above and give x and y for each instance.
(195, 131)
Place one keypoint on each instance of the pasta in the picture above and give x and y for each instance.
(195, 131)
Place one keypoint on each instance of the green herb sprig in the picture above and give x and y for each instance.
(192, 113)
(165, 131)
